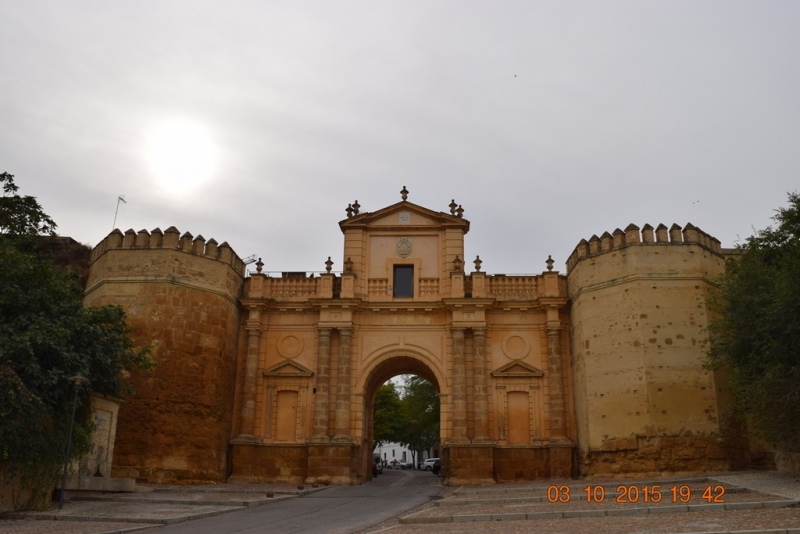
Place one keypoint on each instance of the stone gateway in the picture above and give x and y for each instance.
(265, 378)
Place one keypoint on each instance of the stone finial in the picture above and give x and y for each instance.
(453, 207)
(328, 265)
(477, 263)
(259, 265)
(549, 262)
(459, 211)
(458, 264)
(404, 193)
(348, 265)
(356, 207)
(349, 210)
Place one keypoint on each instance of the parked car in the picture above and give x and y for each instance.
(427, 465)
(406, 465)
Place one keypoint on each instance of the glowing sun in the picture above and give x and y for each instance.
(181, 154)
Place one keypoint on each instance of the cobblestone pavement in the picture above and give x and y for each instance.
(771, 483)
(755, 486)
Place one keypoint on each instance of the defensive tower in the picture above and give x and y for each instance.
(644, 402)
(181, 296)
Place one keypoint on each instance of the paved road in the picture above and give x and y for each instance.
(339, 509)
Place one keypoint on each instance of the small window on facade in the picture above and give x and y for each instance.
(403, 281)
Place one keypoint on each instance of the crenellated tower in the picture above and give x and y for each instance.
(644, 402)
(181, 294)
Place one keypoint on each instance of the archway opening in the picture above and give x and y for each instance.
(403, 410)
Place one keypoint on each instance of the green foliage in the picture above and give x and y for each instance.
(411, 419)
(386, 419)
(420, 414)
(47, 336)
(21, 216)
(756, 334)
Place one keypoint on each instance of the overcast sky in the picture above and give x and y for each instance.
(547, 121)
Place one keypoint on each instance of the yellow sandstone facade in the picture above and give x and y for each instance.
(263, 378)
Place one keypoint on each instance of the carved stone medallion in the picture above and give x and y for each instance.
(404, 217)
(515, 346)
(404, 247)
(290, 345)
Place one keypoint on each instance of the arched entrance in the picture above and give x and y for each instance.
(387, 367)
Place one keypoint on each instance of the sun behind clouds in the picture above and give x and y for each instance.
(181, 154)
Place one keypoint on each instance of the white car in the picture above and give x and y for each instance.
(427, 465)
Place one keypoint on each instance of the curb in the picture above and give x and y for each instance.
(247, 504)
(149, 521)
(411, 520)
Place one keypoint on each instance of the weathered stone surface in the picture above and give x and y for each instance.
(184, 306)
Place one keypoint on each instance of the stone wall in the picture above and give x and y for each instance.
(643, 401)
(181, 296)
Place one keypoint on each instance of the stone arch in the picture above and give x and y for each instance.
(389, 364)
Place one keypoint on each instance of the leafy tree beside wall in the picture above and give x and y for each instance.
(756, 334)
(47, 336)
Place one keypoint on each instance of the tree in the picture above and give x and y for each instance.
(756, 334)
(386, 419)
(420, 413)
(47, 336)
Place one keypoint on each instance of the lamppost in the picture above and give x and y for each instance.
(76, 380)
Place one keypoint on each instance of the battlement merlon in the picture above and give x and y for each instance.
(169, 239)
(633, 235)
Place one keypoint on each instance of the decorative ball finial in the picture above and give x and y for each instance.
(453, 207)
(328, 265)
(459, 211)
(549, 262)
(478, 263)
(259, 265)
(404, 193)
(349, 210)
(458, 264)
(356, 207)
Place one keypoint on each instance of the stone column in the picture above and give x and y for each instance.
(323, 386)
(343, 387)
(248, 414)
(479, 385)
(556, 383)
(459, 387)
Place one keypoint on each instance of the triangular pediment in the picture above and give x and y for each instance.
(517, 369)
(404, 214)
(288, 368)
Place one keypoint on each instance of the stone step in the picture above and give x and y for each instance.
(418, 519)
(535, 497)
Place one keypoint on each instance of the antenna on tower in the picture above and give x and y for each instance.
(250, 259)
(120, 198)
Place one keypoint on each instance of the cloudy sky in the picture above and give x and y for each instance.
(257, 123)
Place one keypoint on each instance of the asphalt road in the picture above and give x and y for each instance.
(338, 509)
